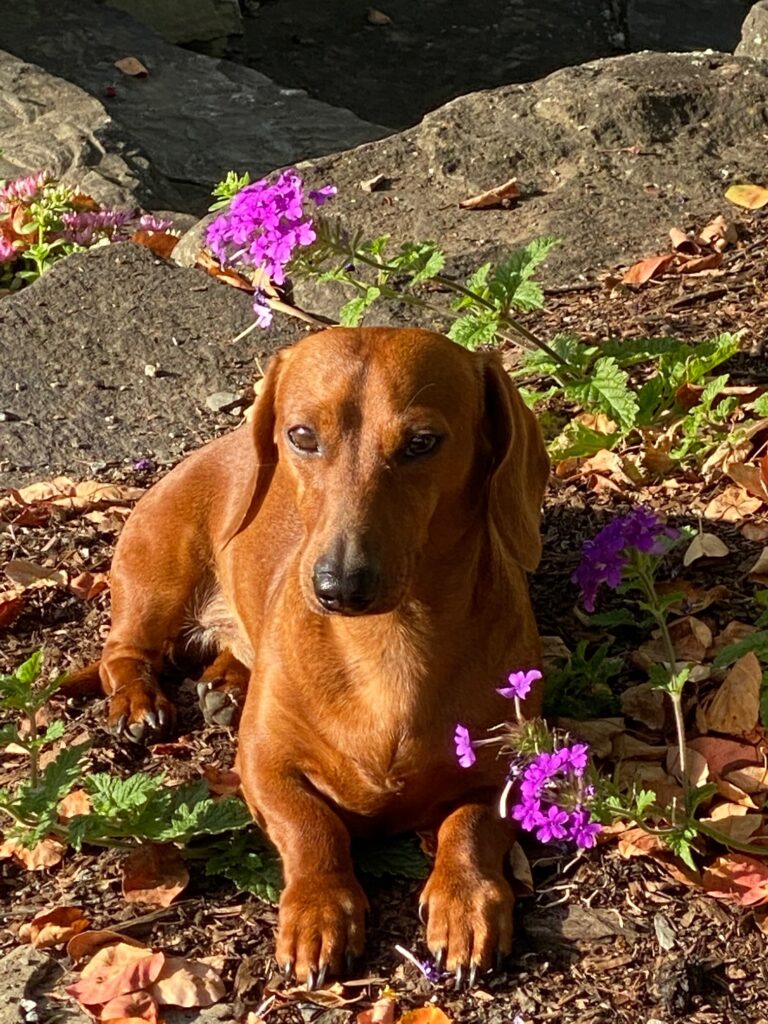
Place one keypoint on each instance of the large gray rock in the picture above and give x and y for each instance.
(75, 392)
(193, 117)
(609, 156)
(754, 33)
(179, 21)
(46, 122)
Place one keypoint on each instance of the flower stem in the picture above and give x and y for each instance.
(673, 690)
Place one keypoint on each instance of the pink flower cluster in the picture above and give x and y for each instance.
(262, 227)
(22, 190)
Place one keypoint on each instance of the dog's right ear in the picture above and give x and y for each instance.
(264, 455)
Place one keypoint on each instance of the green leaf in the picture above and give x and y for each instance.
(54, 732)
(475, 329)
(477, 284)
(607, 390)
(228, 188)
(644, 801)
(680, 842)
(505, 288)
(251, 863)
(400, 856)
(29, 670)
(580, 441)
(353, 311)
(757, 642)
(532, 398)
(619, 617)
(572, 349)
(423, 260)
(760, 405)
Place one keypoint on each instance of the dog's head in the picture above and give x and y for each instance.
(399, 447)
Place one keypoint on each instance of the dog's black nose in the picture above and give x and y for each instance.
(346, 590)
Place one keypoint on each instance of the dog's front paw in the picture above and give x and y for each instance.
(140, 714)
(220, 702)
(469, 920)
(321, 927)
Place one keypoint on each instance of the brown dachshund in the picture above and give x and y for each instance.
(361, 549)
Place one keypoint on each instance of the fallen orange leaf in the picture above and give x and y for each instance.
(155, 874)
(642, 272)
(115, 971)
(738, 878)
(45, 854)
(88, 944)
(133, 1006)
(187, 983)
(425, 1015)
(57, 926)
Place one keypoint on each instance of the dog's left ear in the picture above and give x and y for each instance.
(262, 431)
(520, 467)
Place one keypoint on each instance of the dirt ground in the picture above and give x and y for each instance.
(603, 938)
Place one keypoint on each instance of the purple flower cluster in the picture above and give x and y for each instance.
(604, 556)
(84, 227)
(262, 227)
(552, 790)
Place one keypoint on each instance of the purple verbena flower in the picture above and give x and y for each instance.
(582, 830)
(604, 556)
(264, 225)
(553, 826)
(551, 795)
(149, 222)
(262, 310)
(464, 748)
(520, 684)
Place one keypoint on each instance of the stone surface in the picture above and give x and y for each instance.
(75, 345)
(608, 155)
(179, 21)
(754, 33)
(47, 122)
(31, 974)
(192, 116)
(435, 50)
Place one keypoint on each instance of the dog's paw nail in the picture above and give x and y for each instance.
(473, 972)
(163, 718)
(440, 959)
(151, 719)
(135, 732)
(119, 727)
(321, 975)
(203, 687)
(287, 970)
(423, 912)
(460, 977)
(311, 981)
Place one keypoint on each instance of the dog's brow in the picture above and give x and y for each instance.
(422, 388)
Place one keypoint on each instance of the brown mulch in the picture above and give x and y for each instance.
(603, 939)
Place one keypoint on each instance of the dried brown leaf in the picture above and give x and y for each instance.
(154, 874)
(642, 272)
(492, 197)
(704, 545)
(735, 707)
(56, 926)
(187, 983)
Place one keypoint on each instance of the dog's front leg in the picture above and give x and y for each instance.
(467, 899)
(322, 909)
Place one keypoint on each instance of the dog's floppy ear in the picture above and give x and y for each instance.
(264, 456)
(519, 467)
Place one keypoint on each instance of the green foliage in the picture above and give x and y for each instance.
(400, 856)
(607, 390)
(580, 688)
(138, 808)
(757, 642)
(475, 329)
(250, 862)
(226, 189)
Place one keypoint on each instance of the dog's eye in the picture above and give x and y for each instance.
(304, 439)
(421, 444)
